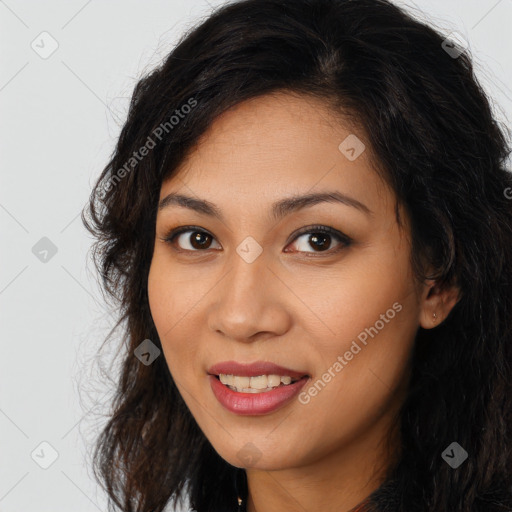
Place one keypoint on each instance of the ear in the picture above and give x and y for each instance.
(436, 303)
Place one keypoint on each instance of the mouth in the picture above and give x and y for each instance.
(257, 384)
(257, 377)
(255, 388)
(255, 401)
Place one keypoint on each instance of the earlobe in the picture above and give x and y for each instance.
(436, 304)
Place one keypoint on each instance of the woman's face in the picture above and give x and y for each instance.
(246, 286)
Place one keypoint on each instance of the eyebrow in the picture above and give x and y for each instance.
(279, 209)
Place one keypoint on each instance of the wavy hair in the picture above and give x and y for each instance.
(436, 141)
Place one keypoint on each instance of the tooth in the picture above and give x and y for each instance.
(274, 381)
(259, 382)
(241, 382)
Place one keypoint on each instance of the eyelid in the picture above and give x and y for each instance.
(344, 240)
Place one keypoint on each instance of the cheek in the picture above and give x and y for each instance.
(369, 320)
(351, 297)
(173, 293)
(368, 345)
(357, 385)
(171, 301)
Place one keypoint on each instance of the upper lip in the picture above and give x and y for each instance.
(253, 369)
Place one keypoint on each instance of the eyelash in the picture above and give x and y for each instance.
(340, 237)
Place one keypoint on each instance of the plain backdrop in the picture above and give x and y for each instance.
(67, 72)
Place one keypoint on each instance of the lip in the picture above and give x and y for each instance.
(253, 369)
(255, 404)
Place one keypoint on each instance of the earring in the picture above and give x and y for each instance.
(435, 316)
(240, 489)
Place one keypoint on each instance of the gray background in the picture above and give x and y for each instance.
(60, 117)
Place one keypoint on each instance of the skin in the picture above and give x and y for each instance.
(294, 305)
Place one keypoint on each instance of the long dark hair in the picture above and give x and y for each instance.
(436, 141)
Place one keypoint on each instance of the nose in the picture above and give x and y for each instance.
(250, 302)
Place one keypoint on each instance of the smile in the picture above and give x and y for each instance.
(256, 388)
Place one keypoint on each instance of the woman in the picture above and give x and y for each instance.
(307, 227)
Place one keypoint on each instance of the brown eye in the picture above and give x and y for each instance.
(320, 239)
(192, 240)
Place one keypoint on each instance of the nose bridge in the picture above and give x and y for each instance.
(248, 271)
(242, 305)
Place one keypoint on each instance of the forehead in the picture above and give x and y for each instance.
(276, 145)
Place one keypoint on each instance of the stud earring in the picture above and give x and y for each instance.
(435, 317)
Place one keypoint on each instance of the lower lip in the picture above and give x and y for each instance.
(255, 403)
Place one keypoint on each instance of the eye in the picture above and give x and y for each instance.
(319, 238)
(197, 240)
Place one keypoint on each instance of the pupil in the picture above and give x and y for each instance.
(196, 239)
(320, 236)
